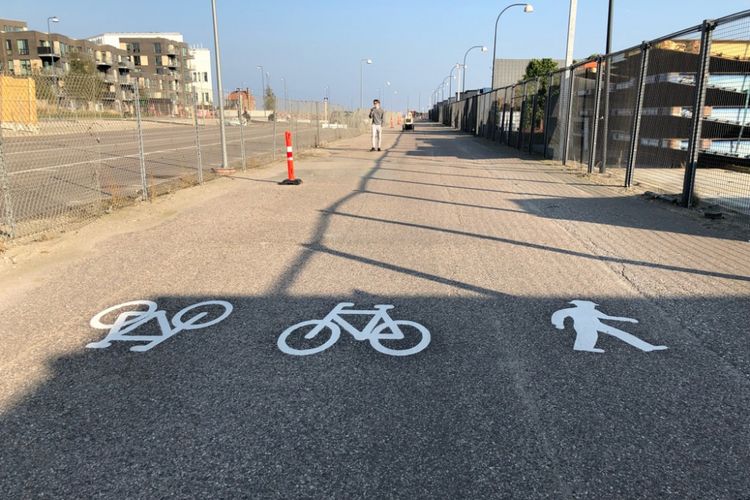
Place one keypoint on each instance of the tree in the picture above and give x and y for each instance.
(82, 81)
(541, 69)
(269, 99)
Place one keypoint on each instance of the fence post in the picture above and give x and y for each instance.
(141, 154)
(197, 138)
(547, 112)
(568, 115)
(597, 103)
(636, 128)
(502, 116)
(522, 117)
(5, 188)
(240, 109)
(701, 77)
(510, 115)
(534, 100)
(275, 119)
(605, 124)
(317, 124)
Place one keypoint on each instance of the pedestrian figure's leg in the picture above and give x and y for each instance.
(380, 135)
(374, 136)
(586, 340)
(630, 339)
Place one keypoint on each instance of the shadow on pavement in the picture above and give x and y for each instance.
(498, 405)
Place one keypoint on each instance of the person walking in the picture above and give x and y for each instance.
(377, 115)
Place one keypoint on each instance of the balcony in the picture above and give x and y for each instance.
(125, 66)
(171, 50)
(104, 62)
(173, 63)
(48, 53)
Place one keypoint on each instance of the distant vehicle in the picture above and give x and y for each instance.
(408, 122)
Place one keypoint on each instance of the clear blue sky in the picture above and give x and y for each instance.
(413, 43)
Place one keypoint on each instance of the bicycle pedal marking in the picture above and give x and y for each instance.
(130, 320)
(380, 328)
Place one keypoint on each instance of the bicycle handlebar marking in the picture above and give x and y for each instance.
(380, 327)
(128, 321)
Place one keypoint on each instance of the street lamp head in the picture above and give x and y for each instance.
(529, 8)
(54, 19)
(484, 49)
(369, 61)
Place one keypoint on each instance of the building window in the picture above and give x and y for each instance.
(8, 47)
(205, 76)
(137, 60)
(134, 47)
(23, 47)
(157, 48)
(25, 67)
(205, 97)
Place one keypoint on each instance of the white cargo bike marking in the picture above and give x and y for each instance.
(587, 324)
(381, 327)
(128, 321)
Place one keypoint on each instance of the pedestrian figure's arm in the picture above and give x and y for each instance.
(617, 318)
(558, 318)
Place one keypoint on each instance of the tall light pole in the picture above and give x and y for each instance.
(607, 80)
(450, 80)
(262, 85)
(53, 19)
(286, 100)
(463, 67)
(527, 7)
(222, 132)
(361, 81)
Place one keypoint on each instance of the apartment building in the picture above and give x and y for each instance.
(162, 66)
(201, 76)
(25, 52)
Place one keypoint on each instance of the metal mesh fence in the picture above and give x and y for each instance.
(74, 146)
(723, 173)
(672, 115)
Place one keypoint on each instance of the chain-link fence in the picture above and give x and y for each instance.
(74, 146)
(670, 115)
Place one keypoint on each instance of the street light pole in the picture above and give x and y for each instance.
(54, 19)
(527, 7)
(262, 85)
(607, 83)
(463, 67)
(286, 101)
(222, 132)
(450, 80)
(361, 81)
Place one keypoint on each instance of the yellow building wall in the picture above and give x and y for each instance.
(18, 101)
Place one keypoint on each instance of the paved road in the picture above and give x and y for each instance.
(50, 172)
(478, 246)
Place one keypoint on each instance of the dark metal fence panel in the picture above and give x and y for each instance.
(636, 116)
(555, 111)
(722, 176)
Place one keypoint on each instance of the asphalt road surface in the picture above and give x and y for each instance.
(92, 163)
(475, 245)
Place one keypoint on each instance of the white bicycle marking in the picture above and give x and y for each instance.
(380, 327)
(587, 324)
(128, 321)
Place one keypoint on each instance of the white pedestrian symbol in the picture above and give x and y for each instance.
(128, 321)
(381, 327)
(587, 324)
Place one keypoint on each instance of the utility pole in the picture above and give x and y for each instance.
(607, 80)
(222, 132)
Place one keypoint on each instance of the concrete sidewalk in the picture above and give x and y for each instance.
(478, 246)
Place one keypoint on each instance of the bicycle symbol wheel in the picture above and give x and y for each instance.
(299, 335)
(377, 336)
